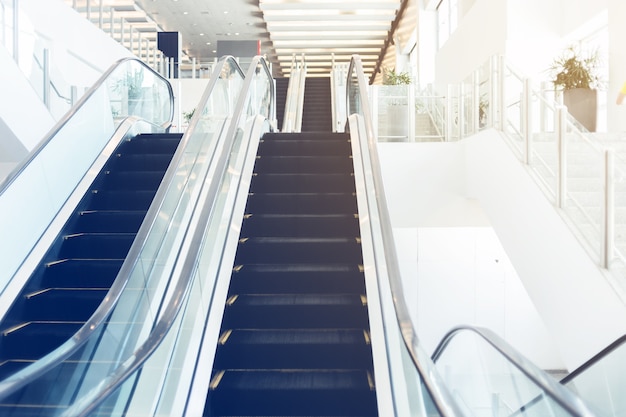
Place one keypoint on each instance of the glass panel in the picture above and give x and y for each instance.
(487, 384)
(601, 384)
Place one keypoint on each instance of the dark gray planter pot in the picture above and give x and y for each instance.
(582, 103)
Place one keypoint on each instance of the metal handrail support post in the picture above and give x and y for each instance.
(461, 122)
(526, 120)
(561, 180)
(16, 31)
(608, 218)
(476, 102)
(46, 78)
(411, 110)
(501, 93)
(449, 114)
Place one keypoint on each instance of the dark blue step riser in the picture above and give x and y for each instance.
(150, 144)
(279, 147)
(294, 402)
(32, 341)
(143, 162)
(107, 222)
(63, 305)
(94, 246)
(288, 317)
(75, 274)
(304, 164)
(321, 226)
(311, 356)
(121, 200)
(302, 183)
(297, 282)
(262, 203)
(130, 180)
(298, 252)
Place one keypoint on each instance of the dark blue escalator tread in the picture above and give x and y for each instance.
(301, 278)
(292, 393)
(302, 183)
(301, 203)
(79, 267)
(298, 250)
(285, 311)
(294, 349)
(286, 147)
(301, 164)
(321, 225)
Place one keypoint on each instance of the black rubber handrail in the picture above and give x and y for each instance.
(594, 360)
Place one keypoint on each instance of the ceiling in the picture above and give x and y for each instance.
(322, 30)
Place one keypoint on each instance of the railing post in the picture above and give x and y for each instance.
(100, 14)
(608, 218)
(16, 32)
(193, 67)
(411, 110)
(501, 93)
(476, 101)
(526, 119)
(561, 180)
(461, 110)
(449, 114)
(46, 77)
(73, 95)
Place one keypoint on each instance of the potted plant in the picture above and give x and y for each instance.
(397, 99)
(576, 75)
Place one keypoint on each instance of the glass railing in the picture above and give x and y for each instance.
(294, 102)
(489, 378)
(417, 387)
(600, 380)
(158, 371)
(40, 186)
(136, 299)
(473, 372)
(171, 267)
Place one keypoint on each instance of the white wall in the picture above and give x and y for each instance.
(559, 312)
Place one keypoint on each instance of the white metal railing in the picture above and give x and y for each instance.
(578, 171)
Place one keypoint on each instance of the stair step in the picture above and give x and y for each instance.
(298, 250)
(121, 200)
(291, 225)
(296, 164)
(74, 273)
(287, 311)
(293, 393)
(62, 304)
(140, 162)
(133, 180)
(298, 183)
(96, 246)
(112, 221)
(26, 342)
(301, 203)
(303, 278)
(301, 147)
(294, 348)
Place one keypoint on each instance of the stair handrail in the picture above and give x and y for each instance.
(72, 112)
(433, 382)
(598, 357)
(548, 385)
(89, 402)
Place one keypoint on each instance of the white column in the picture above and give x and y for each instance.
(616, 115)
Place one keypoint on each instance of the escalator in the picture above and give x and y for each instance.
(77, 271)
(294, 338)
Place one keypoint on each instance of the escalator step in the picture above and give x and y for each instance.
(62, 304)
(33, 339)
(129, 180)
(121, 200)
(113, 221)
(298, 250)
(96, 246)
(151, 143)
(294, 348)
(329, 225)
(301, 203)
(293, 393)
(282, 311)
(303, 164)
(300, 147)
(74, 273)
(302, 183)
(302, 278)
(139, 162)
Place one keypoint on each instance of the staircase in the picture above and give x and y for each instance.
(81, 264)
(295, 332)
(317, 111)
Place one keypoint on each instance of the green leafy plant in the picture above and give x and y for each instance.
(391, 77)
(572, 69)
(188, 115)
